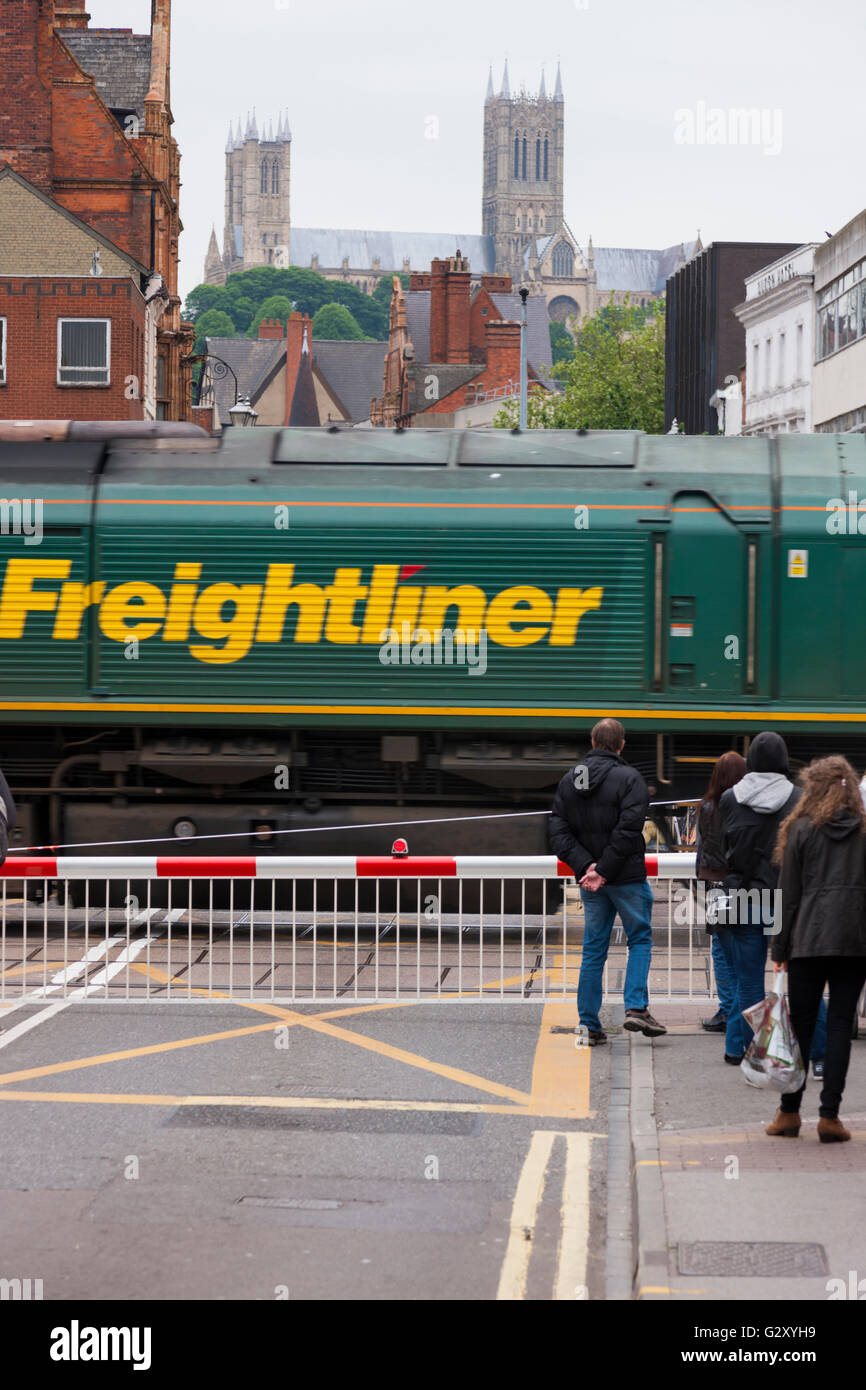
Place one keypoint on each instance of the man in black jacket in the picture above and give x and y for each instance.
(596, 827)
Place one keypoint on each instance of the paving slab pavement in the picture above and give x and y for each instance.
(771, 1219)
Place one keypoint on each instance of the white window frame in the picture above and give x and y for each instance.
(89, 385)
(4, 330)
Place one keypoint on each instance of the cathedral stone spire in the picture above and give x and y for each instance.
(230, 142)
(239, 138)
(542, 91)
(490, 92)
(252, 128)
(557, 95)
(506, 88)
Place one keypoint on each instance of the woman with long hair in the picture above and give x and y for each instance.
(822, 851)
(711, 869)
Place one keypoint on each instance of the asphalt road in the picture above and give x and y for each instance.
(223, 1151)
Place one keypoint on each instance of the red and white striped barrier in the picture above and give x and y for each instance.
(540, 866)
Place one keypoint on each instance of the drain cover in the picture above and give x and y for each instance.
(756, 1259)
(296, 1203)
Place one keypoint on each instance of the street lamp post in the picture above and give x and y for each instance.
(524, 371)
(241, 413)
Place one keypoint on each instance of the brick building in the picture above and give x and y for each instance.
(89, 219)
(453, 354)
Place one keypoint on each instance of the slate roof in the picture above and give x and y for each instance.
(251, 359)
(353, 371)
(450, 377)
(362, 248)
(538, 348)
(645, 272)
(118, 62)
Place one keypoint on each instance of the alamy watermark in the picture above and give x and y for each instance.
(733, 125)
(705, 905)
(22, 516)
(438, 647)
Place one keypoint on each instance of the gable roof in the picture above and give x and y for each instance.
(252, 360)
(353, 372)
(7, 172)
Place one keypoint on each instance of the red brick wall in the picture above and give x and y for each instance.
(32, 308)
(482, 311)
(503, 366)
(26, 43)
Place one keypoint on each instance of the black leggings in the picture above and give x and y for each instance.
(807, 976)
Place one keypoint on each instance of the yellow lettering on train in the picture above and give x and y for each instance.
(220, 622)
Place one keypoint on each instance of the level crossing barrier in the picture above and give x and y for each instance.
(323, 929)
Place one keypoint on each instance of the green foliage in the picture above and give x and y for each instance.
(277, 307)
(213, 323)
(244, 295)
(382, 292)
(615, 379)
(334, 321)
(561, 342)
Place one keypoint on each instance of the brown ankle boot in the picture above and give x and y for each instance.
(785, 1125)
(832, 1131)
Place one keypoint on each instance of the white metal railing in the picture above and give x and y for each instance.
(323, 929)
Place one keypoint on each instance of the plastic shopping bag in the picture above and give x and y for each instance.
(773, 1059)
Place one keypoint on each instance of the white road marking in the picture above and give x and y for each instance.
(28, 1023)
(78, 967)
(104, 977)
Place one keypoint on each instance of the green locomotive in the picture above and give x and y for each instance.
(289, 629)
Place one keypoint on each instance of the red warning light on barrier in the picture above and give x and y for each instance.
(400, 850)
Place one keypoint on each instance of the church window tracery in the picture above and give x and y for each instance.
(563, 261)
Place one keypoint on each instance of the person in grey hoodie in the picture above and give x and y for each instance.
(751, 813)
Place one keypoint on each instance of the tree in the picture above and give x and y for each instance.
(333, 321)
(615, 380)
(278, 306)
(246, 292)
(213, 323)
(382, 292)
(561, 342)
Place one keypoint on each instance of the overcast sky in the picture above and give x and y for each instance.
(644, 83)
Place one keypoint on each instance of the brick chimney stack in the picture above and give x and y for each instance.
(295, 327)
(70, 14)
(449, 310)
(271, 328)
(503, 352)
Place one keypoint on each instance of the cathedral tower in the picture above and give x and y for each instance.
(257, 200)
(524, 150)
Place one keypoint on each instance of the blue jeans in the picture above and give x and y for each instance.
(745, 951)
(724, 979)
(634, 903)
(742, 954)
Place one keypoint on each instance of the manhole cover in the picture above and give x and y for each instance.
(756, 1259)
(296, 1203)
